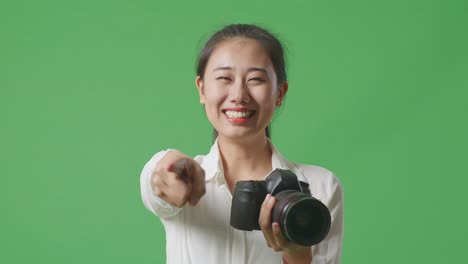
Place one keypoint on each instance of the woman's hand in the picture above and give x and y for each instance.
(178, 179)
(292, 253)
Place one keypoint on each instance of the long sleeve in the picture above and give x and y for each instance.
(334, 240)
(151, 201)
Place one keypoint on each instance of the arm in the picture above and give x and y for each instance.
(303, 255)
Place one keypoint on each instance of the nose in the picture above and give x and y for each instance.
(239, 93)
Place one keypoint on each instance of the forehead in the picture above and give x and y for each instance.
(239, 53)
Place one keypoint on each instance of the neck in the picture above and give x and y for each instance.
(246, 159)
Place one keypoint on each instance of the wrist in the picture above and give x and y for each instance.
(298, 255)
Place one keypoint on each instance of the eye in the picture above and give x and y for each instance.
(256, 80)
(224, 78)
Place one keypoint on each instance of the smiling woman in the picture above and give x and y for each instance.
(241, 80)
(269, 43)
(239, 88)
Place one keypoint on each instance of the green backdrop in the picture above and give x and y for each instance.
(90, 90)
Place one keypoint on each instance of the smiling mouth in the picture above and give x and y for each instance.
(239, 114)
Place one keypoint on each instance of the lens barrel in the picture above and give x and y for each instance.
(303, 219)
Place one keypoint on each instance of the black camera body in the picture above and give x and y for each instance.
(303, 219)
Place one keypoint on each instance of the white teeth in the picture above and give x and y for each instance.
(237, 114)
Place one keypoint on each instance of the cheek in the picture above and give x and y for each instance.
(265, 97)
(214, 97)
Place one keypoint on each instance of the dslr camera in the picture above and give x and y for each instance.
(303, 219)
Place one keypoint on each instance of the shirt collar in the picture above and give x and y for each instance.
(213, 165)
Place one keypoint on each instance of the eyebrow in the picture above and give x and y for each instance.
(248, 70)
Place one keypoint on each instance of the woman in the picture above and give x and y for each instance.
(241, 80)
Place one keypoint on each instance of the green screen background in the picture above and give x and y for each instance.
(90, 90)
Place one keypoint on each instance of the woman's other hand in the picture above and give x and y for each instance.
(178, 179)
(292, 253)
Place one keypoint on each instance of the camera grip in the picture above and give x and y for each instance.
(246, 203)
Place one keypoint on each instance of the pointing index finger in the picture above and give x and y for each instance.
(182, 168)
(189, 171)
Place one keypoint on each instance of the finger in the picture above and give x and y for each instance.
(177, 190)
(157, 183)
(161, 194)
(181, 175)
(181, 168)
(265, 220)
(198, 185)
(172, 179)
(281, 241)
(160, 184)
(189, 171)
(179, 193)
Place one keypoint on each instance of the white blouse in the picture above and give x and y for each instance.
(202, 234)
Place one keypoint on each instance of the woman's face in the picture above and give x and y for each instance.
(239, 89)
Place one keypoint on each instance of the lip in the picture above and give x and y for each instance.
(238, 120)
(239, 109)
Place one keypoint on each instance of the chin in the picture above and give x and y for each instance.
(238, 134)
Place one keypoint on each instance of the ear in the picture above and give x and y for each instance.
(201, 92)
(283, 89)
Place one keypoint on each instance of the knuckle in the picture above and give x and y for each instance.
(158, 183)
(158, 170)
(157, 191)
(155, 180)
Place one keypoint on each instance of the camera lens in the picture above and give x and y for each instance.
(302, 218)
